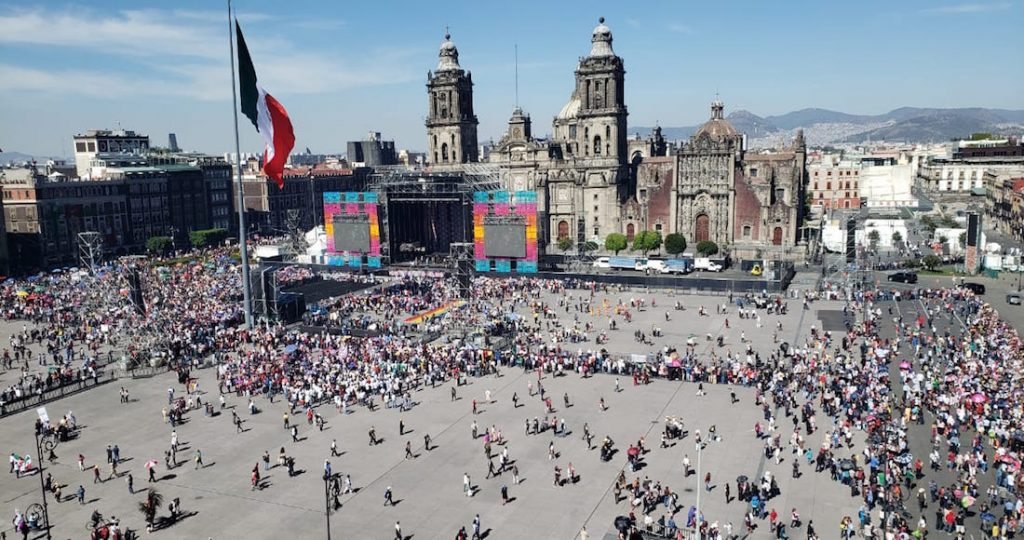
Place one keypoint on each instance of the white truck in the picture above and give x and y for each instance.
(704, 263)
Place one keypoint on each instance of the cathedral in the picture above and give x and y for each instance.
(591, 179)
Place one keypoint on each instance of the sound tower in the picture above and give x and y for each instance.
(135, 290)
(972, 257)
(851, 240)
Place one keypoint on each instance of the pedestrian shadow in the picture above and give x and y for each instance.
(170, 476)
(206, 465)
(396, 502)
(164, 522)
(92, 500)
(485, 533)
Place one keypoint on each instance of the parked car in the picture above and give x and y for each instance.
(976, 288)
(602, 262)
(1013, 299)
(903, 277)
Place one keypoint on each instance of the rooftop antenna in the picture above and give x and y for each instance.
(517, 73)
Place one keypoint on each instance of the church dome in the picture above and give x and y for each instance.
(448, 56)
(601, 40)
(717, 127)
(571, 109)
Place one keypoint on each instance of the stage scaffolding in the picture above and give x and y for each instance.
(456, 184)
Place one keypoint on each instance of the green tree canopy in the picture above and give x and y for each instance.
(565, 244)
(207, 237)
(675, 243)
(615, 242)
(707, 247)
(647, 241)
(159, 244)
(931, 262)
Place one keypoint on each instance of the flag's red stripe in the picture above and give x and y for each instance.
(284, 140)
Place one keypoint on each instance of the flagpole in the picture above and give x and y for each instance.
(243, 248)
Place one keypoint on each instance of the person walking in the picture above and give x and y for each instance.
(408, 450)
(96, 474)
(476, 527)
(398, 531)
(466, 485)
(426, 442)
(515, 475)
(504, 494)
(334, 448)
(80, 493)
(131, 484)
(152, 474)
(401, 427)
(373, 436)
(295, 433)
(199, 460)
(388, 501)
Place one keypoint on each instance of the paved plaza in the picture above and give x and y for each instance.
(430, 503)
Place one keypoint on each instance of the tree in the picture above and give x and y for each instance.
(615, 242)
(159, 244)
(931, 262)
(149, 506)
(589, 246)
(874, 237)
(675, 243)
(207, 238)
(647, 241)
(707, 248)
(963, 240)
(896, 237)
(565, 244)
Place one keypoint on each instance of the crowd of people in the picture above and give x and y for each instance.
(884, 379)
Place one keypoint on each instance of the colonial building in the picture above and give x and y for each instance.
(451, 123)
(591, 180)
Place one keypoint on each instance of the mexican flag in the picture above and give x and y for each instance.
(266, 113)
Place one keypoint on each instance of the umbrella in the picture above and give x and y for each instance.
(289, 349)
(151, 463)
(633, 451)
(622, 523)
(904, 365)
(22, 294)
(846, 464)
(741, 479)
(979, 398)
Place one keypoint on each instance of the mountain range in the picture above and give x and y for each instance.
(826, 127)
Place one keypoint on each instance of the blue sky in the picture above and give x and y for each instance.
(345, 68)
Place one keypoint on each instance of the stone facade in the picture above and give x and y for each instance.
(591, 180)
(451, 122)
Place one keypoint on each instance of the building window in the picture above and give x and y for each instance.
(79, 147)
(747, 230)
(630, 232)
(828, 185)
(753, 172)
(597, 145)
(595, 196)
(572, 131)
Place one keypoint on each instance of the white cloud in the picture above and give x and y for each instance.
(680, 28)
(962, 9)
(182, 53)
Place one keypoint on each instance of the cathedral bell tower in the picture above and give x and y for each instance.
(600, 86)
(451, 122)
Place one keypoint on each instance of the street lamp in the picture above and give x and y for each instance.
(328, 477)
(700, 449)
(50, 443)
